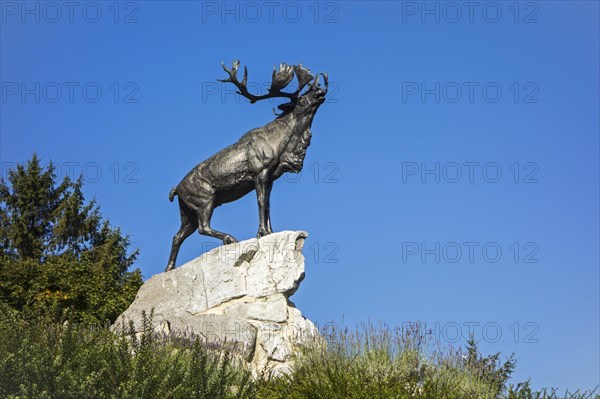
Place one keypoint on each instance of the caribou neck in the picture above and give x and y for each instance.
(297, 124)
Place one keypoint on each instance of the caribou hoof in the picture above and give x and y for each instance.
(263, 232)
(228, 240)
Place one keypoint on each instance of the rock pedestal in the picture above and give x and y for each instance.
(236, 296)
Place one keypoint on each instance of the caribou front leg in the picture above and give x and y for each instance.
(263, 196)
(268, 207)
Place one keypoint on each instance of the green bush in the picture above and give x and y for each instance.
(50, 360)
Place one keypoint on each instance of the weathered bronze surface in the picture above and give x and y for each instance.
(255, 161)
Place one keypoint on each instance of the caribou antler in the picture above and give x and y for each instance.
(304, 76)
(316, 84)
(280, 80)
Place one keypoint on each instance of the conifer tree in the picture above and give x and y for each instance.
(58, 255)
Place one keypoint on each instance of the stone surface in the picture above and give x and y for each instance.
(235, 295)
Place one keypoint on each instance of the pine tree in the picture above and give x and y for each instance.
(58, 255)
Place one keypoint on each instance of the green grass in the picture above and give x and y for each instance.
(41, 359)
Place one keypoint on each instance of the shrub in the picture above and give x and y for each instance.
(70, 360)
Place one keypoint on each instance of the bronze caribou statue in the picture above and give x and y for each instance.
(259, 157)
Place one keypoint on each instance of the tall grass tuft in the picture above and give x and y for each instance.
(378, 362)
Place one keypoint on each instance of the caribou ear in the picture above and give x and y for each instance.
(285, 107)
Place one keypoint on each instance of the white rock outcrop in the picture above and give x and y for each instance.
(237, 296)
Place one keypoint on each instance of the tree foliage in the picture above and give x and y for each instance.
(58, 255)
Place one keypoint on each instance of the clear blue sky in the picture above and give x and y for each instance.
(465, 93)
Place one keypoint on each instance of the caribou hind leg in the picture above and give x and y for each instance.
(189, 223)
(205, 211)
